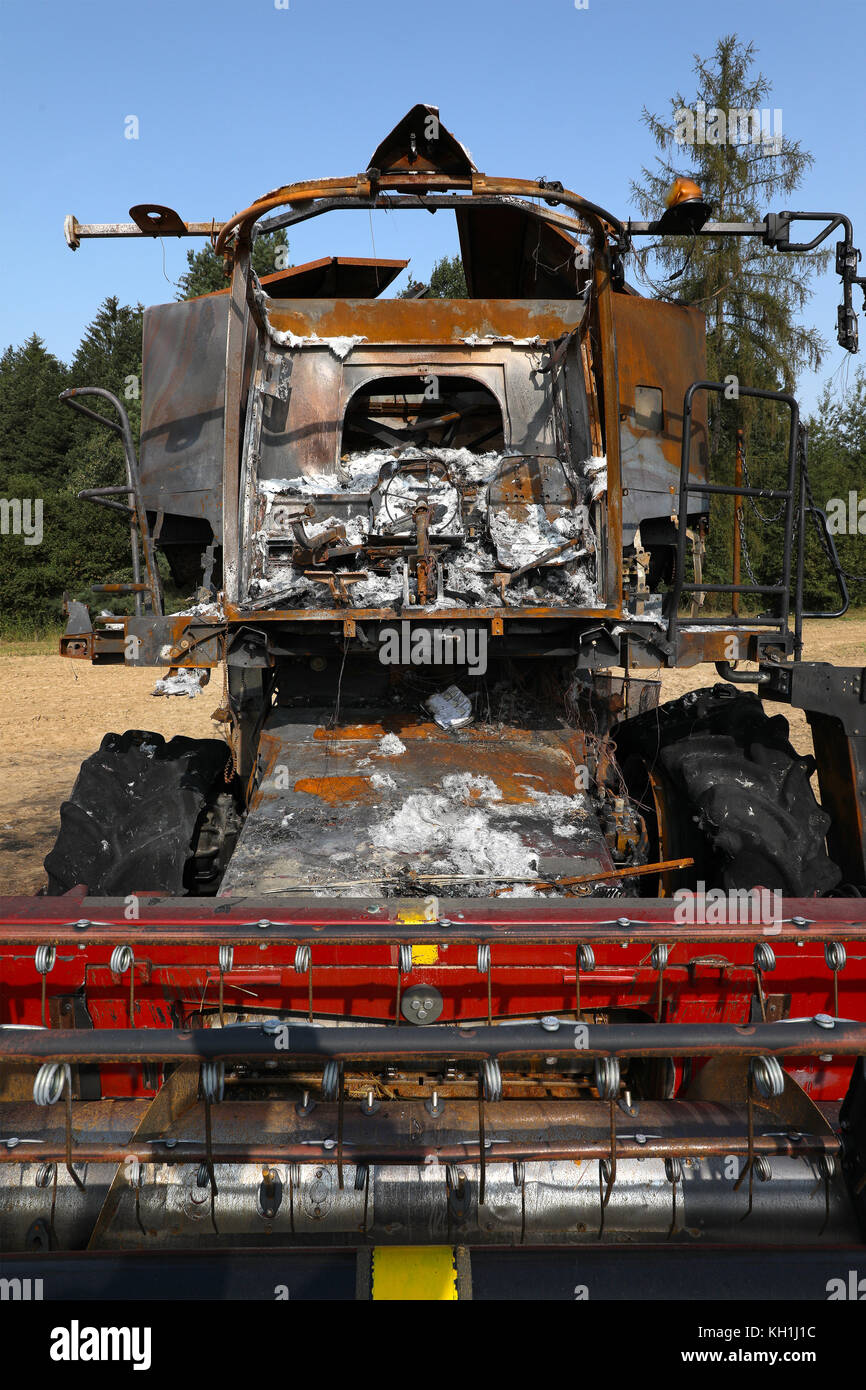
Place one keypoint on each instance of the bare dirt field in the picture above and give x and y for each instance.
(54, 712)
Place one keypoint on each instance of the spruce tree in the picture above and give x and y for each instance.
(752, 296)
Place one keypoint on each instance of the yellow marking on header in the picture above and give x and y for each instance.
(415, 1273)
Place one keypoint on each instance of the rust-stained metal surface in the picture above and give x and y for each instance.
(161, 640)
(363, 188)
(356, 808)
(428, 321)
(253, 1131)
(662, 347)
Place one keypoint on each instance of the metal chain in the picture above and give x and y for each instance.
(767, 520)
(744, 549)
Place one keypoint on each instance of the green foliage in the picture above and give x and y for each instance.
(750, 294)
(837, 468)
(109, 355)
(447, 281)
(48, 452)
(207, 272)
(35, 429)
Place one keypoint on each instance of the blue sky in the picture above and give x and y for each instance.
(236, 98)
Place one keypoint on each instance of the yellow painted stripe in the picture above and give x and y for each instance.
(425, 955)
(417, 1273)
(418, 910)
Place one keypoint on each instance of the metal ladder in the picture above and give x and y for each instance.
(789, 495)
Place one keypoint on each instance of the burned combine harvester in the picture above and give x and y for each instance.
(443, 946)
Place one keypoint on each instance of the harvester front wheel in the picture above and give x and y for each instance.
(719, 781)
(132, 818)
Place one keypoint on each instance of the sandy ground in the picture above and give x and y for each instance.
(54, 712)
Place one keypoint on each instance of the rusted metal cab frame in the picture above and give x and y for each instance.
(633, 344)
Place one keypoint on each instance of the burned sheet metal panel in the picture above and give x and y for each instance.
(334, 277)
(183, 369)
(660, 351)
(366, 809)
(304, 436)
(331, 277)
(509, 253)
(420, 143)
(419, 321)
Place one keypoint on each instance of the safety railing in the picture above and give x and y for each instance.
(780, 592)
(133, 507)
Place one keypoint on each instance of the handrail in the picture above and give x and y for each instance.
(838, 572)
(736, 489)
(138, 523)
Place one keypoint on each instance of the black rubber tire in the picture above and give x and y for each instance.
(738, 795)
(130, 821)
